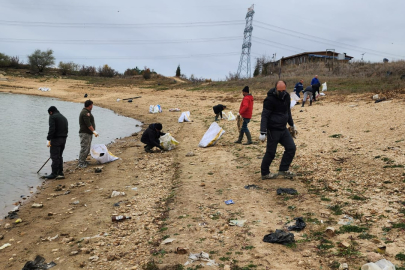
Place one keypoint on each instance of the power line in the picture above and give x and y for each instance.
(278, 43)
(328, 41)
(123, 25)
(117, 42)
(145, 58)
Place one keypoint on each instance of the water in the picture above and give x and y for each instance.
(23, 130)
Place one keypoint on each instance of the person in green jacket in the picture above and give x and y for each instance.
(57, 135)
(86, 132)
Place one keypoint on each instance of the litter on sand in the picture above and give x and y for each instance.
(155, 108)
(298, 226)
(174, 110)
(324, 87)
(379, 265)
(38, 264)
(167, 241)
(117, 193)
(44, 89)
(184, 117)
(252, 187)
(5, 245)
(230, 116)
(212, 135)
(290, 191)
(229, 202)
(168, 142)
(279, 237)
(100, 153)
(204, 257)
(238, 223)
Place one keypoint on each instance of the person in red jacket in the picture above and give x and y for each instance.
(245, 111)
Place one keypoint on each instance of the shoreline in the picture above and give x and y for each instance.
(349, 162)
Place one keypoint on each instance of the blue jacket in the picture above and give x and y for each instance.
(298, 87)
(315, 81)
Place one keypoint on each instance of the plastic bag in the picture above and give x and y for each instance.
(155, 108)
(224, 115)
(379, 265)
(211, 136)
(100, 153)
(290, 191)
(280, 237)
(231, 117)
(324, 87)
(168, 142)
(299, 225)
(184, 117)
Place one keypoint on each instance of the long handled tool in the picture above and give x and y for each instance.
(43, 165)
(131, 98)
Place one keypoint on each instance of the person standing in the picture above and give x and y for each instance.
(57, 134)
(275, 116)
(86, 131)
(151, 135)
(315, 86)
(218, 110)
(245, 111)
(308, 93)
(299, 86)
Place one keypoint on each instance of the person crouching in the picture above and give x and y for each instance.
(151, 135)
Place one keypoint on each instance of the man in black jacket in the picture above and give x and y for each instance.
(218, 110)
(151, 135)
(275, 116)
(57, 134)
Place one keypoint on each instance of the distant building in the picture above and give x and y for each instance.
(308, 57)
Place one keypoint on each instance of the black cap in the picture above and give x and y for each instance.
(52, 109)
(246, 89)
(158, 126)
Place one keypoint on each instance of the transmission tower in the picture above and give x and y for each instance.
(244, 62)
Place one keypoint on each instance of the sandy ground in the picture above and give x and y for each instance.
(182, 197)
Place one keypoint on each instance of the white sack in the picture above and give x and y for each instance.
(224, 115)
(231, 117)
(294, 96)
(292, 103)
(100, 153)
(168, 142)
(184, 117)
(155, 109)
(324, 87)
(212, 135)
(44, 89)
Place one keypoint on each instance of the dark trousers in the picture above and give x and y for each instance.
(245, 125)
(275, 137)
(57, 147)
(315, 88)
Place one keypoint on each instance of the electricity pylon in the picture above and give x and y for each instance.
(244, 62)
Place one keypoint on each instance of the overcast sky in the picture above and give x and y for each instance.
(204, 37)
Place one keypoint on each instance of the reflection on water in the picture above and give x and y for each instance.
(23, 131)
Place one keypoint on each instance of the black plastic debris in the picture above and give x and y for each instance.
(279, 237)
(380, 100)
(98, 170)
(299, 225)
(38, 264)
(252, 187)
(290, 191)
(12, 214)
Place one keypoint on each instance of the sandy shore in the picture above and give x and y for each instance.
(182, 197)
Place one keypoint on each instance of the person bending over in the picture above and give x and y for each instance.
(151, 135)
(218, 110)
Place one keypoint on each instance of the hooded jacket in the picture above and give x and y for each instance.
(276, 111)
(58, 126)
(218, 108)
(246, 107)
(151, 136)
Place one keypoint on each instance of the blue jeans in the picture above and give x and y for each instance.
(244, 125)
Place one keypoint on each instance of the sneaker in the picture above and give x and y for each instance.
(287, 174)
(269, 176)
(60, 176)
(51, 176)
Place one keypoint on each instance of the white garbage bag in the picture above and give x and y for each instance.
(224, 115)
(294, 96)
(155, 108)
(324, 87)
(44, 89)
(184, 117)
(212, 135)
(231, 117)
(100, 153)
(292, 103)
(380, 265)
(168, 142)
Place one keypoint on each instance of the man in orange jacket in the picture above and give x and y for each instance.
(245, 111)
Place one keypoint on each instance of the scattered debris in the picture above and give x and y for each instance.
(38, 264)
(298, 226)
(190, 154)
(180, 250)
(37, 205)
(381, 264)
(117, 193)
(229, 202)
(290, 191)
(252, 187)
(238, 223)
(330, 231)
(167, 241)
(200, 257)
(5, 245)
(280, 237)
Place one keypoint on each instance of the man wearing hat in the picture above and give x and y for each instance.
(57, 134)
(245, 111)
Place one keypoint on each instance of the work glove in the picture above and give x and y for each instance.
(293, 131)
(262, 137)
(95, 133)
(48, 144)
